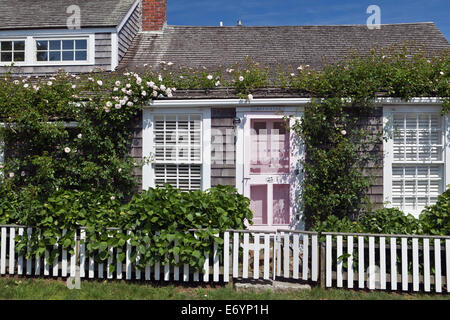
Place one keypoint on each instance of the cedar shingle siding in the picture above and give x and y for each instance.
(129, 31)
(223, 153)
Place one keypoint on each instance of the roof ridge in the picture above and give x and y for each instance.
(293, 26)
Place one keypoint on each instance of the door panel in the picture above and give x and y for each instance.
(270, 176)
(258, 196)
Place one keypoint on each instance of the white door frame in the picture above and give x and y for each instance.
(296, 148)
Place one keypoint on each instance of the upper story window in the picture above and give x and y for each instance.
(12, 51)
(61, 50)
(49, 50)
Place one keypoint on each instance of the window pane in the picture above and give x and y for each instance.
(6, 46)
(6, 56)
(42, 56)
(81, 55)
(67, 55)
(19, 56)
(42, 45)
(55, 45)
(67, 44)
(81, 44)
(19, 45)
(55, 56)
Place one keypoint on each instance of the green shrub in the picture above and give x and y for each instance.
(390, 221)
(436, 219)
(336, 224)
(155, 218)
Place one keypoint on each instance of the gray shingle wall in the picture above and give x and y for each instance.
(223, 155)
(103, 50)
(129, 31)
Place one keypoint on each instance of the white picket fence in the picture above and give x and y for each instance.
(420, 263)
(246, 255)
(364, 261)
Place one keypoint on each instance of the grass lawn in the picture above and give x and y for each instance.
(47, 289)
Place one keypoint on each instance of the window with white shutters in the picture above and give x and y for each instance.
(418, 160)
(178, 150)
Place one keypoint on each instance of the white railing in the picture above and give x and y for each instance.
(374, 261)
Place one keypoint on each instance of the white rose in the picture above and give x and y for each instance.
(128, 85)
(66, 149)
(118, 106)
(100, 82)
(130, 104)
(250, 97)
(117, 83)
(11, 174)
(144, 93)
(241, 78)
(109, 104)
(49, 83)
(79, 136)
(210, 77)
(344, 132)
(162, 87)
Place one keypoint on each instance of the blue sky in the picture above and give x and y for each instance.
(305, 12)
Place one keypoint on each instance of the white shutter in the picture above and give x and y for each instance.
(418, 166)
(178, 150)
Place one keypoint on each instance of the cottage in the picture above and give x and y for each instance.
(199, 139)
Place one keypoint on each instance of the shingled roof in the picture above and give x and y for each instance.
(286, 45)
(33, 14)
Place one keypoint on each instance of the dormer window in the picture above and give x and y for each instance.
(12, 51)
(61, 50)
(54, 50)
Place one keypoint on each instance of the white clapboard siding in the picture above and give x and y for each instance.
(245, 256)
(426, 265)
(404, 264)
(394, 264)
(329, 256)
(339, 261)
(295, 264)
(361, 262)
(12, 250)
(437, 265)
(256, 256)
(226, 257)
(350, 262)
(305, 260)
(3, 251)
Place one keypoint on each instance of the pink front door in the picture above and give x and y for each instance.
(270, 175)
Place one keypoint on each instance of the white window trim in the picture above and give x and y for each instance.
(30, 50)
(388, 146)
(17, 63)
(148, 175)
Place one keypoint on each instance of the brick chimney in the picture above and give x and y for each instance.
(154, 14)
